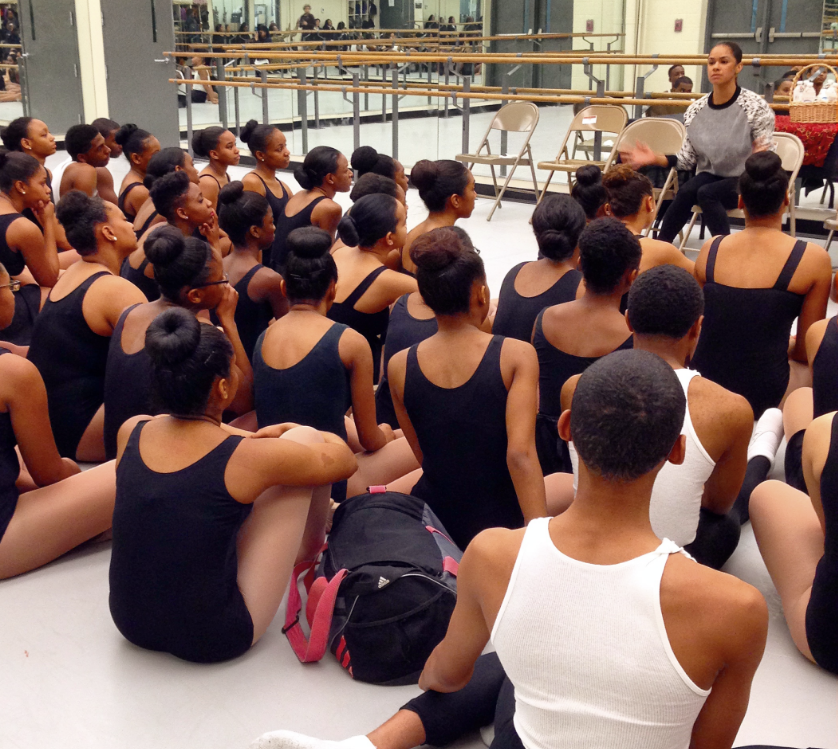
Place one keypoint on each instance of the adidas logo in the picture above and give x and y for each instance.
(382, 581)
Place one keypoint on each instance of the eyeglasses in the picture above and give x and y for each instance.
(14, 285)
(224, 280)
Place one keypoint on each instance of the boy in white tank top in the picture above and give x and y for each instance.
(610, 637)
(88, 153)
(692, 502)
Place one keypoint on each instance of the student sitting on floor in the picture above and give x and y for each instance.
(605, 635)
(691, 502)
(87, 148)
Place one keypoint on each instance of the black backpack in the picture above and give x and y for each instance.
(383, 592)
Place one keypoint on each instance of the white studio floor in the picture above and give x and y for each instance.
(70, 681)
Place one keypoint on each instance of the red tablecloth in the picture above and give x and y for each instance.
(817, 137)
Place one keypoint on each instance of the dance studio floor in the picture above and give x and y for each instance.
(69, 680)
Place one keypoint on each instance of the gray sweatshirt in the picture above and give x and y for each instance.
(720, 138)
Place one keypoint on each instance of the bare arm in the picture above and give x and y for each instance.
(396, 372)
(327, 215)
(814, 304)
(82, 178)
(815, 451)
(210, 189)
(268, 287)
(357, 357)
(27, 404)
(521, 409)
(721, 489)
(104, 182)
(814, 338)
(38, 248)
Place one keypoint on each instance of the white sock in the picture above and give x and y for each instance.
(293, 740)
(767, 436)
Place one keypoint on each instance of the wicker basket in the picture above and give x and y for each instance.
(816, 111)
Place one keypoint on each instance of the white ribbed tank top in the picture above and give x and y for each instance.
(586, 648)
(676, 496)
(57, 174)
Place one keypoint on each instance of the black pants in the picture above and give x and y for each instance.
(716, 538)
(715, 195)
(489, 696)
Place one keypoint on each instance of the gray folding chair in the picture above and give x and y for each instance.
(515, 117)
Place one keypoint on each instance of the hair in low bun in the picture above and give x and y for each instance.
(626, 190)
(239, 210)
(373, 184)
(557, 223)
(348, 232)
(372, 218)
(231, 192)
(165, 161)
(424, 174)
(447, 267)
(206, 140)
(187, 356)
(178, 261)
(79, 214)
(319, 163)
(309, 268)
(589, 191)
(764, 184)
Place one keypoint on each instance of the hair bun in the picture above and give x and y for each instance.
(436, 250)
(616, 176)
(231, 192)
(247, 131)
(364, 159)
(309, 242)
(588, 175)
(424, 174)
(304, 178)
(348, 231)
(164, 245)
(124, 133)
(763, 165)
(173, 337)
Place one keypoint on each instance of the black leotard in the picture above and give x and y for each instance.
(121, 201)
(173, 573)
(27, 308)
(516, 314)
(12, 260)
(822, 611)
(278, 209)
(284, 226)
(146, 224)
(9, 468)
(825, 371)
(371, 325)
(252, 318)
(745, 337)
(462, 433)
(72, 360)
(138, 277)
(403, 331)
(127, 386)
(314, 392)
(556, 367)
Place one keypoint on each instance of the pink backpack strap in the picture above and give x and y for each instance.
(319, 612)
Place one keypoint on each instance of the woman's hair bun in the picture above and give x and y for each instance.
(71, 208)
(4, 155)
(247, 131)
(304, 178)
(763, 165)
(424, 174)
(309, 242)
(231, 192)
(364, 159)
(588, 175)
(173, 337)
(431, 254)
(616, 176)
(348, 231)
(164, 245)
(124, 133)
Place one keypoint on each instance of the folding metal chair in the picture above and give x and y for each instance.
(664, 135)
(597, 118)
(515, 117)
(791, 152)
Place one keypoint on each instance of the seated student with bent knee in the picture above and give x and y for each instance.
(164, 162)
(71, 336)
(531, 286)
(47, 507)
(691, 502)
(372, 230)
(88, 151)
(208, 524)
(466, 401)
(183, 205)
(604, 635)
(248, 220)
(189, 274)
(631, 199)
(310, 370)
(797, 535)
(569, 337)
(447, 190)
(756, 283)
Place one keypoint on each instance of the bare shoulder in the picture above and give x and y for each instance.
(725, 408)
(18, 372)
(568, 389)
(817, 260)
(397, 367)
(515, 351)
(252, 183)
(494, 551)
